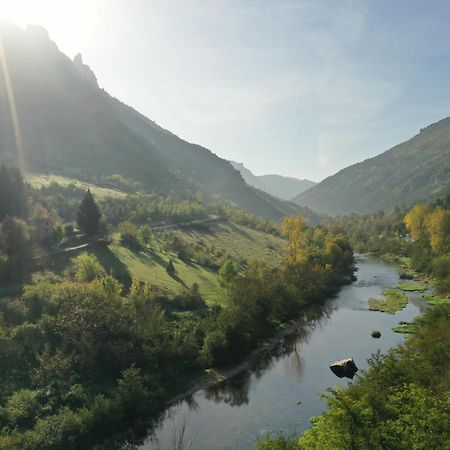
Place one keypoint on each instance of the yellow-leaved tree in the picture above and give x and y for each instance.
(294, 230)
(415, 221)
(437, 226)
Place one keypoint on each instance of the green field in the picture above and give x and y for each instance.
(150, 265)
(39, 180)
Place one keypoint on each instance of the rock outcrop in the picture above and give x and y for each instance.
(344, 368)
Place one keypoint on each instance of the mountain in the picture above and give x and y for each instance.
(414, 171)
(54, 118)
(279, 186)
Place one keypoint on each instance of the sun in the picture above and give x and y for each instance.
(23, 12)
(70, 23)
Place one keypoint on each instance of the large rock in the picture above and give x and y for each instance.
(344, 368)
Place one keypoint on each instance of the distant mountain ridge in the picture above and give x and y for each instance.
(280, 186)
(69, 126)
(414, 171)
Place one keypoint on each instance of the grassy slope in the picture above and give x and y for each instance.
(237, 241)
(150, 266)
(38, 180)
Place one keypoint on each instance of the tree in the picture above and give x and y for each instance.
(438, 228)
(415, 221)
(88, 215)
(88, 268)
(226, 273)
(15, 244)
(13, 200)
(129, 234)
(146, 235)
(170, 269)
(293, 229)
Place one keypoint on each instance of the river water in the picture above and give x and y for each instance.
(282, 392)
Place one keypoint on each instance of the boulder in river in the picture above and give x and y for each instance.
(376, 334)
(344, 368)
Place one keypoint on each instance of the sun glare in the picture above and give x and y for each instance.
(26, 11)
(70, 23)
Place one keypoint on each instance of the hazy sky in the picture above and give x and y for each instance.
(301, 88)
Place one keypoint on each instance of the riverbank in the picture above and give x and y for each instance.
(215, 376)
(279, 384)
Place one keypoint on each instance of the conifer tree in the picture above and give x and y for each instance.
(170, 269)
(88, 215)
(13, 196)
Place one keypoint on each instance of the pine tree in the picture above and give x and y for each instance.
(88, 215)
(13, 195)
(170, 269)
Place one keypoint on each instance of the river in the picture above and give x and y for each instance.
(282, 392)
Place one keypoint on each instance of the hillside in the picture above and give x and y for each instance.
(236, 241)
(279, 186)
(414, 171)
(54, 118)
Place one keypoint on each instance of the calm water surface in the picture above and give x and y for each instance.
(235, 414)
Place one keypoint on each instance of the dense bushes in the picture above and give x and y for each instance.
(79, 358)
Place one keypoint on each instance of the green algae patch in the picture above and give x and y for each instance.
(411, 287)
(408, 328)
(434, 300)
(393, 300)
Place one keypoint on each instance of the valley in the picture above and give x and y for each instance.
(157, 295)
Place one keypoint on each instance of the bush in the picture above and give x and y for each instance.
(88, 268)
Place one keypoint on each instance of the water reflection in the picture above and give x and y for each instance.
(235, 391)
(232, 414)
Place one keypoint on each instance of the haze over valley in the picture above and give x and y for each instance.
(217, 213)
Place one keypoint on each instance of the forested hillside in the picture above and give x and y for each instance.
(414, 171)
(55, 118)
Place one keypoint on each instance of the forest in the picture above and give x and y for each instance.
(84, 356)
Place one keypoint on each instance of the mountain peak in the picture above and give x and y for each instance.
(84, 69)
(38, 32)
(280, 186)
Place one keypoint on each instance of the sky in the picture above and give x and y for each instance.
(301, 88)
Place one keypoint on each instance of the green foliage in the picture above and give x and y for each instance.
(13, 194)
(227, 273)
(22, 408)
(88, 268)
(88, 217)
(192, 299)
(146, 235)
(440, 268)
(129, 234)
(15, 248)
(276, 442)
